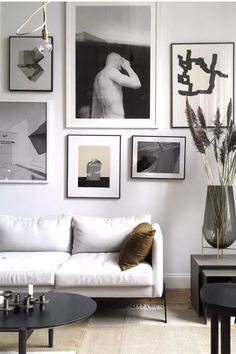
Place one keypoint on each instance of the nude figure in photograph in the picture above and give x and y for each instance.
(107, 87)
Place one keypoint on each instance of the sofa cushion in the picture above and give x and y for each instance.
(23, 268)
(35, 233)
(96, 234)
(101, 269)
(136, 246)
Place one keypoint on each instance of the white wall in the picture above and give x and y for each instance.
(177, 205)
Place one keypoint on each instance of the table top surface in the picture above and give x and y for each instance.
(220, 297)
(63, 308)
(212, 260)
(219, 272)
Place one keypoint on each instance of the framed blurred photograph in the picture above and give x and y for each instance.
(203, 73)
(94, 166)
(29, 69)
(110, 64)
(158, 157)
(24, 144)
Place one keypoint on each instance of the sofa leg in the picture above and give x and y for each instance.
(164, 302)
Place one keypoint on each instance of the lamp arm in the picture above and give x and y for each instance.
(43, 6)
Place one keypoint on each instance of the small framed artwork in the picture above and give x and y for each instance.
(110, 64)
(94, 166)
(203, 73)
(29, 69)
(159, 157)
(24, 142)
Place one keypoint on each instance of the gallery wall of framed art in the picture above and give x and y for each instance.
(201, 72)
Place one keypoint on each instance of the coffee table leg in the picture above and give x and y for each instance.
(225, 334)
(22, 341)
(50, 337)
(214, 334)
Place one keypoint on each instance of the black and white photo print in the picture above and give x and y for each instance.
(29, 69)
(23, 142)
(94, 166)
(158, 157)
(114, 64)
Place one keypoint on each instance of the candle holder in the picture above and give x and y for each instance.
(7, 294)
(17, 302)
(41, 301)
(27, 305)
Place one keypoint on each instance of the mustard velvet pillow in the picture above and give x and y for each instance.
(136, 246)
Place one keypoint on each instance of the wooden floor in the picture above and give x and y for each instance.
(178, 296)
(173, 296)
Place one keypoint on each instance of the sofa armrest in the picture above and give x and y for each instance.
(157, 261)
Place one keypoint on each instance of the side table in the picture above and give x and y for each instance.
(220, 301)
(208, 268)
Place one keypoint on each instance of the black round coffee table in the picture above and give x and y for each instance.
(62, 309)
(220, 300)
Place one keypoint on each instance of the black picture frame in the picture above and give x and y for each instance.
(24, 142)
(29, 70)
(204, 73)
(158, 157)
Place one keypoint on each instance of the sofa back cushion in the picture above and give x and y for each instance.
(97, 234)
(35, 233)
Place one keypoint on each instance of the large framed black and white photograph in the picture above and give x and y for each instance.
(158, 157)
(94, 166)
(203, 73)
(110, 65)
(29, 69)
(24, 142)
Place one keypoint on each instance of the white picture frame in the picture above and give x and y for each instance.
(158, 157)
(93, 166)
(130, 31)
(203, 73)
(24, 141)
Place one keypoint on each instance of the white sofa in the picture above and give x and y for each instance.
(77, 255)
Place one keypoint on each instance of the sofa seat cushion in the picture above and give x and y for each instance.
(101, 269)
(23, 268)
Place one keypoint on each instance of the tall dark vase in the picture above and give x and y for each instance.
(219, 226)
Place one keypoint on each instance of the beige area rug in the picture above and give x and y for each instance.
(127, 331)
(61, 352)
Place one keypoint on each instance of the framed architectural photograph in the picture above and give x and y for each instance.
(94, 166)
(24, 142)
(110, 65)
(203, 73)
(29, 69)
(159, 157)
